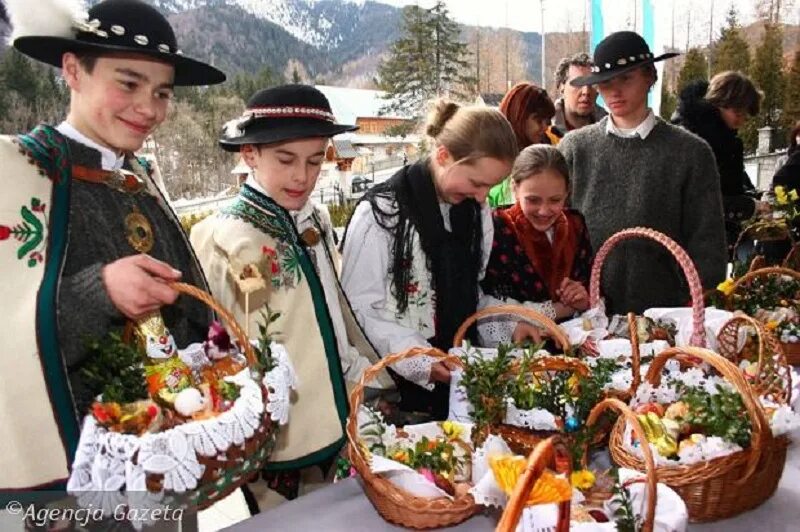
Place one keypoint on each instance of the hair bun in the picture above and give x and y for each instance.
(441, 112)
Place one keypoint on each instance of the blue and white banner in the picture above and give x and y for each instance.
(609, 16)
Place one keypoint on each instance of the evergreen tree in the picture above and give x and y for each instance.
(668, 102)
(407, 75)
(766, 72)
(427, 60)
(731, 52)
(450, 54)
(695, 67)
(791, 98)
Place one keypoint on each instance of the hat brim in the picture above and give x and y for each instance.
(50, 50)
(262, 132)
(600, 77)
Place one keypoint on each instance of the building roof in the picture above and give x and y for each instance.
(344, 149)
(349, 104)
(358, 139)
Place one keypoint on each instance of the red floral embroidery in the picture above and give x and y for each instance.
(269, 252)
(412, 288)
(5, 232)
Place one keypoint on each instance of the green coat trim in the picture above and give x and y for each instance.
(280, 226)
(51, 152)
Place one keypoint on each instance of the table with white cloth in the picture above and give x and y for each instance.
(344, 507)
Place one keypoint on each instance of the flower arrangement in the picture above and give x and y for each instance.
(692, 417)
(150, 385)
(435, 453)
(773, 300)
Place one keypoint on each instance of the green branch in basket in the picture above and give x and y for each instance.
(722, 414)
(265, 338)
(114, 370)
(624, 516)
(486, 383)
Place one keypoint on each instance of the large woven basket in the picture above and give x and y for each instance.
(546, 451)
(522, 440)
(393, 503)
(790, 350)
(773, 377)
(728, 485)
(231, 469)
(684, 261)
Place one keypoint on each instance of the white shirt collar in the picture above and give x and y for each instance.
(109, 159)
(642, 130)
(298, 216)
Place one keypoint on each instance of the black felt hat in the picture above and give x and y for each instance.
(288, 112)
(118, 26)
(618, 53)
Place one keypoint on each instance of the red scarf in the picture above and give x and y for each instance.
(553, 262)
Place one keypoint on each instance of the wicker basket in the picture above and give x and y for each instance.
(522, 440)
(790, 350)
(792, 260)
(773, 375)
(394, 504)
(549, 326)
(728, 485)
(227, 471)
(545, 453)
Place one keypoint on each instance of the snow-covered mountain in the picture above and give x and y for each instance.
(315, 22)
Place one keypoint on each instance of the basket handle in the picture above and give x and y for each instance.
(760, 432)
(543, 454)
(779, 383)
(555, 363)
(514, 310)
(650, 465)
(224, 314)
(357, 395)
(685, 262)
(636, 357)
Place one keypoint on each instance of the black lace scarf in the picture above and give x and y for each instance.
(408, 202)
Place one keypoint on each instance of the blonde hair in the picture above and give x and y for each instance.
(470, 133)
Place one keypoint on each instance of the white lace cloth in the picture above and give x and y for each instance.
(103, 458)
(534, 419)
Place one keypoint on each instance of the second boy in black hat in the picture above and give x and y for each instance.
(274, 229)
(633, 169)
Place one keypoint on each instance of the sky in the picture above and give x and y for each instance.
(565, 15)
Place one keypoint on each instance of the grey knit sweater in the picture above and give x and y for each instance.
(667, 182)
(96, 238)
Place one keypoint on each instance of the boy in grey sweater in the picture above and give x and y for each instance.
(633, 169)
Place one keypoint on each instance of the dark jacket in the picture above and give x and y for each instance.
(788, 175)
(704, 120)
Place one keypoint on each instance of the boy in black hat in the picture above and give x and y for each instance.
(273, 245)
(94, 241)
(633, 169)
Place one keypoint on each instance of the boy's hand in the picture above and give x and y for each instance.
(137, 285)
